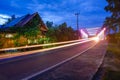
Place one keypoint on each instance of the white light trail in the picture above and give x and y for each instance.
(102, 32)
(56, 65)
(43, 50)
(41, 45)
(100, 35)
(96, 39)
(83, 34)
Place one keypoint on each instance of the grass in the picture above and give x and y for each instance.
(112, 62)
(115, 49)
(112, 75)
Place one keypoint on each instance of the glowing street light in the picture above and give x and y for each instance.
(83, 34)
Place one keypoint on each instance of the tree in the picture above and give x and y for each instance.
(109, 23)
(49, 24)
(61, 33)
(114, 20)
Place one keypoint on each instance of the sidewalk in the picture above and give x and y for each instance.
(82, 68)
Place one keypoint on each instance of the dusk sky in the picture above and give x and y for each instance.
(92, 12)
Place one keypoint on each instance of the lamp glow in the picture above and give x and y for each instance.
(96, 39)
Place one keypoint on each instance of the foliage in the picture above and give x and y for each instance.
(0, 36)
(60, 32)
(16, 43)
(49, 24)
(114, 38)
(31, 33)
(16, 36)
(113, 21)
(43, 40)
(111, 75)
(111, 63)
(1, 44)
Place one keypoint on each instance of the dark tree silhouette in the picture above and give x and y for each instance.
(113, 22)
(60, 32)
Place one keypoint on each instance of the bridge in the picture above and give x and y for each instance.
(98, 33)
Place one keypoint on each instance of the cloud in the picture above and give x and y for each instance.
(41, 6)
(2, 21)
(3, 18)
(47, 16)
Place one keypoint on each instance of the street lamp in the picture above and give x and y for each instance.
(77, 15)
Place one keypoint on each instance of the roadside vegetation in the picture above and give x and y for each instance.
(62, 32)
(111, 62)
(31, 35)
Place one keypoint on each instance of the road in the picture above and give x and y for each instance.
(22, 68)
(83, 67)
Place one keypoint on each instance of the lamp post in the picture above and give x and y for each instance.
(77, 15)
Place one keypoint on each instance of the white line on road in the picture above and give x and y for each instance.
(56, 65)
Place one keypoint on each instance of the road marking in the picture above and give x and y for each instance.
(56, 65)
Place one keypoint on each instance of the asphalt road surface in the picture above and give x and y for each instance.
(83, 67)
(25, 66)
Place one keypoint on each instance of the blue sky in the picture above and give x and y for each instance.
(92, 12)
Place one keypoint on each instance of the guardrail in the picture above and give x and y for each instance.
(35, 47)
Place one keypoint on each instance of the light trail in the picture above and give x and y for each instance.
(5, 49)
(100, 35)
(58, 64)
(84, 35)
(41, 50)
(102, 32)
(96, 39)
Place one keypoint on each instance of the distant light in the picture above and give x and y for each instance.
(96, 39)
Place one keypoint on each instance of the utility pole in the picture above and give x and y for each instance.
(77, 15)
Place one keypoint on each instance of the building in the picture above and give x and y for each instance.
(26, 20)
(7, 31)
